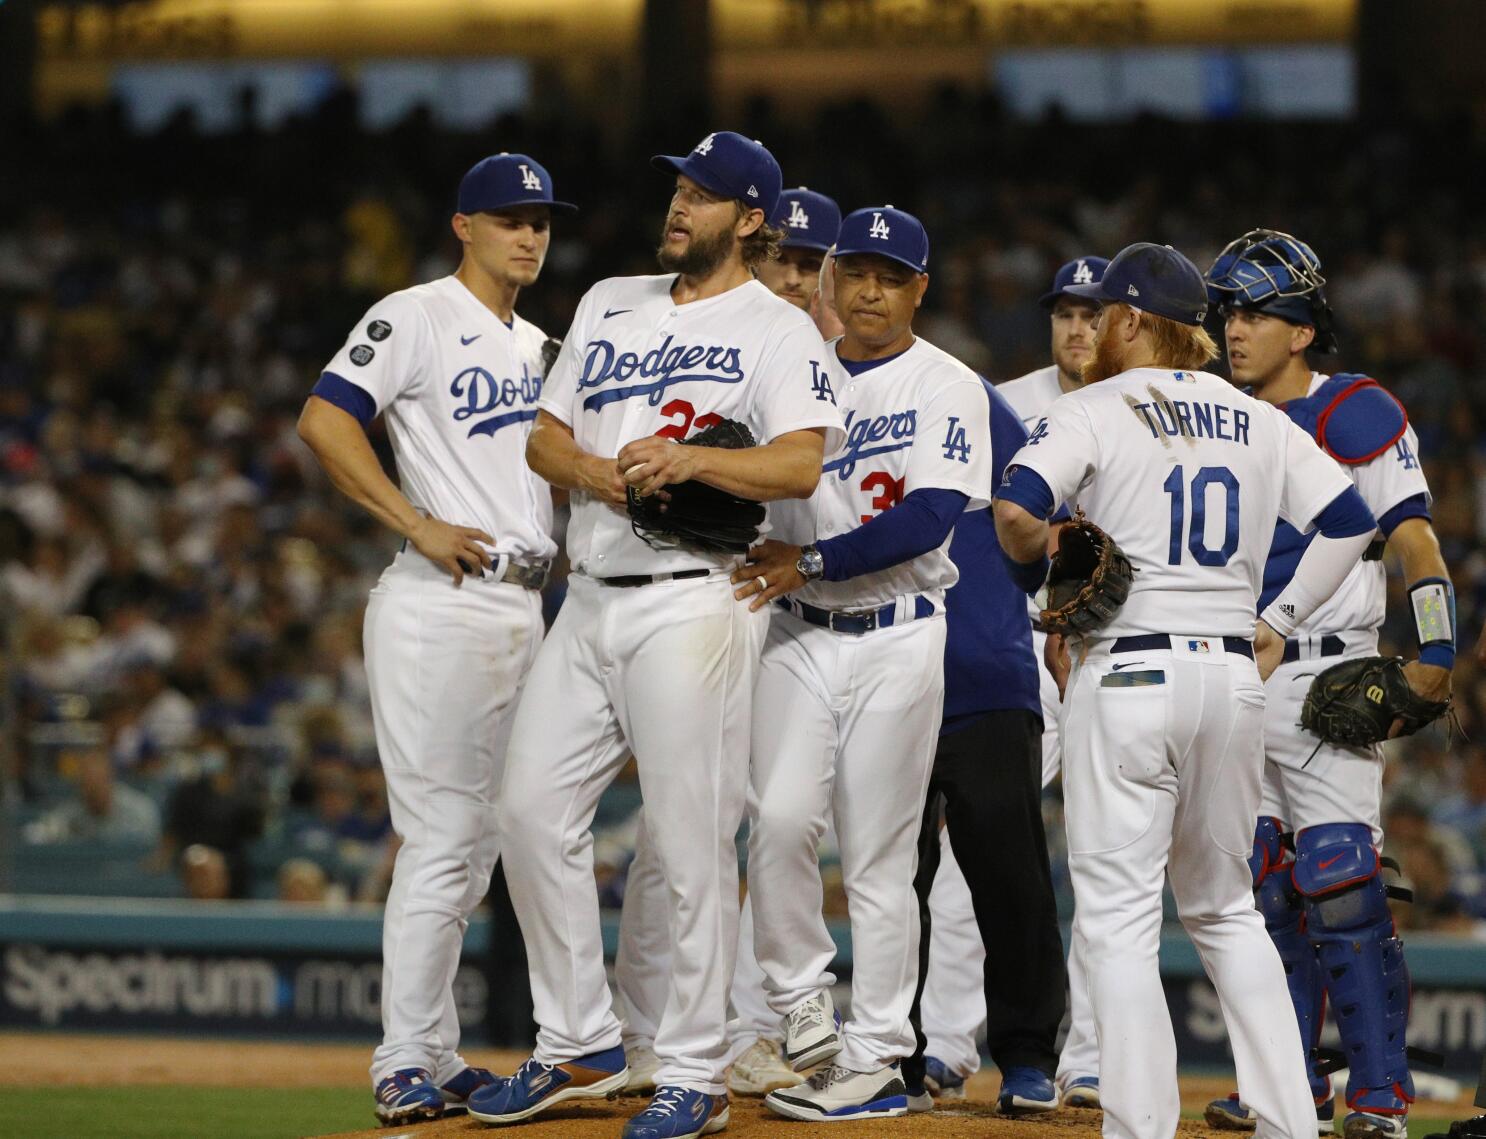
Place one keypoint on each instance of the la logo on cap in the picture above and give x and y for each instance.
(880, 229)
(1083, 275)
(798, 218)
(529, 179)
(705, 146)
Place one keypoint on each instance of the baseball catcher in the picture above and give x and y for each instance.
(694, 513)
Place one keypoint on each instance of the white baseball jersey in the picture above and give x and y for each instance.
(919, 420)
(1384, 482)
(636, 363)
(1187, 474)
(1032, 394)
(455, 383)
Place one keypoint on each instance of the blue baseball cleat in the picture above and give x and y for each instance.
(536, 1086)
(679, 1113)
(409, 1095)
(457, 1091)
(941, 1082)
(1026, 1090)
(1081, 1092)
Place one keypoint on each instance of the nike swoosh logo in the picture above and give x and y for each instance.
(1325, 862)
(1127, 664)
(616, 312)
(468, 340)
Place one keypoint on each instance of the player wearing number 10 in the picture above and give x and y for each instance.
(1163, 714)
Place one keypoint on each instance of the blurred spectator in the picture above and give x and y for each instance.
(1464, 811)
(205, 874)
(104, 810)
(218, 808)
(303, 882)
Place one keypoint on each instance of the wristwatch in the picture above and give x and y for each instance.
(812, 563)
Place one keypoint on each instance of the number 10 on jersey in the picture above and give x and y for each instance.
(1196, 534)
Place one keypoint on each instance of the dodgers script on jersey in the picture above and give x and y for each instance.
(1030, 395)
(920, 420)
(1359, 604)
(455, 384)
(636, 363)
(1188, 475)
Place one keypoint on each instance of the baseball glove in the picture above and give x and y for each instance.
(1088, 581)
(1355, 703)
(694, 514)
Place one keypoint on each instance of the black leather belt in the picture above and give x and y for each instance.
(854, 623)
(1331, 646)
(629, 581)
(528, 577)
(1149, 642)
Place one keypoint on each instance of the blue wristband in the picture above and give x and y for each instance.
(1029, 576)
(1441, 656)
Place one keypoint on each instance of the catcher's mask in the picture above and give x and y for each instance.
(1278, 275)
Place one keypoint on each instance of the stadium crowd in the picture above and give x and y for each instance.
(181, 591)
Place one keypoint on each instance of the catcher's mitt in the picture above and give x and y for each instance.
(1356, 702)
(1089, 579)
(695, 514)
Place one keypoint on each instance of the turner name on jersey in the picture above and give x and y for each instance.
(920, 420)
(636, 363)
(1187, 474)
(455, 383)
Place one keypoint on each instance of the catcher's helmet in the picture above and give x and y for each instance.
(1276, 274)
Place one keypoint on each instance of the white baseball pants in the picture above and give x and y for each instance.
(844, 726)
(1162, 754)
(953, 1007)
(445, 666)
(665, 671)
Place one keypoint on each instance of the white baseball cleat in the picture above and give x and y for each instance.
(812, 1032)
(643, 1064)
(760, 1069)
(836, 1093)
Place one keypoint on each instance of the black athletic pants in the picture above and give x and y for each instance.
(987, 786)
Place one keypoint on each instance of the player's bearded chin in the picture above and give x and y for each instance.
(1108, 357)
(703, 254)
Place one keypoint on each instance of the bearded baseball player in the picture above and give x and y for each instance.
(1325, 905)
(850, 693)
(642, 965)
(1072, 319)
(649, 653)
(457, 374)
(1181, 478)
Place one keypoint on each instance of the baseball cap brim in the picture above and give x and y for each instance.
(560, 207)
(675, 164)
(878, 252)
(805, 243)
(1048, 299)
(1090, 292)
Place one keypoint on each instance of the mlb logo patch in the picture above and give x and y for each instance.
(1195, 646)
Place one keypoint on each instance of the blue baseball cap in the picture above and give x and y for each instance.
(809, 220)
(1079, 271)
(887, 232)
(505, 180)
(1153, 278)
(726, 163)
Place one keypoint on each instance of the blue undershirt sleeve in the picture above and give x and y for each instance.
(1027, 489)
(1346, 516)
(915, 526)
(354, 400)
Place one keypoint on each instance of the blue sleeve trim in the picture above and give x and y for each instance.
(351, 398)
(1415, 506)
(1029, 490)
(1062, 514)
(1346, 516)
(915, 526)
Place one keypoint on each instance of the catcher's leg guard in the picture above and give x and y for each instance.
(1347, 919)
(1283, 910)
